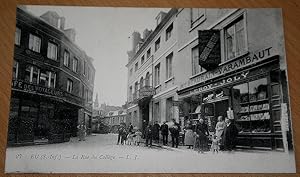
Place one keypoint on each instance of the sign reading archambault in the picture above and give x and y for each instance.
(230, 67)
(20, 85)
(209, 49)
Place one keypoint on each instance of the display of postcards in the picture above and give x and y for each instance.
(262, 95)
(253, 98)
(244, 118)
(244, 109)
(266, 115)
(260, 115)
(244, 98)
(266, 106)
(259, 107)
(253, 108)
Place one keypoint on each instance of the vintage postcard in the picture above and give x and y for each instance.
(149, 90)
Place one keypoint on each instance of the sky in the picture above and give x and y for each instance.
(103, 33)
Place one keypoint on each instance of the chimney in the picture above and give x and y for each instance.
(71, 33)
(161, 15)
(136, 38)
(146, 33)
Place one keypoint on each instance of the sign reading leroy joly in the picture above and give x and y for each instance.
(209, 48)
(231, 66)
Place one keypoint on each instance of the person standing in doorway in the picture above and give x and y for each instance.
(175, 129)
(164, 128)
(189, 135)
(220, 126)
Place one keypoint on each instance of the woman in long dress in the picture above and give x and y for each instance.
(220, 126)
(189, 135)
(201, 131)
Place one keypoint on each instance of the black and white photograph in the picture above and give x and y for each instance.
(149, 90)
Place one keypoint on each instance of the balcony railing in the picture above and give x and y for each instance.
(143, 92)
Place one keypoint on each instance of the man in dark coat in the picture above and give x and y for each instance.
(164, 128)
(175, 129)
(230, 134)
(121, 131)
(155, 131)
(130, 128)
(148, 135)
(201, 130)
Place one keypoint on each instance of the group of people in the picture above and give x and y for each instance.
(224, 137)
(126, 135)
(152, 133)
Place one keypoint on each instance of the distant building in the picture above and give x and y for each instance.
(114, 118)
(52, 84)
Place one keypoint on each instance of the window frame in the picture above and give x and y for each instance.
(34, 40)
(169, 66)
(196, 61)
(20, 35)
(157, 44)
(15, 75)
(233, 22)
(195, 22)
(73, 65)
(157, 74)
(69, 85)
(169, 31)
(68, 64)
(56, 51)
(148, 53)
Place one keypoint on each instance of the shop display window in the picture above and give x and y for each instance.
(251, 107)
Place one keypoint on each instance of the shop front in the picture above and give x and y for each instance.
(38, 116)
(250, 95)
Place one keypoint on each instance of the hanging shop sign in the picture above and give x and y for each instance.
(209, 49)
(230, 67)
(222, 82)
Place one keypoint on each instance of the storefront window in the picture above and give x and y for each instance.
(44, 79)
(15, 69)
(258, 90)
(32, 74)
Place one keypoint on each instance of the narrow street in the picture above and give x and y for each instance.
(99, 153)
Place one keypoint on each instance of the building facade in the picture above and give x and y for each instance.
(232, 64)
(52, 84)
(114, 119)
(151, 81)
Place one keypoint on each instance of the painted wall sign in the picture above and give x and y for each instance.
(230, 67)
(209, 48)
(222, 82)
(20, 85)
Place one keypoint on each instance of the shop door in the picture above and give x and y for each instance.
(42, 125)
(28, 117)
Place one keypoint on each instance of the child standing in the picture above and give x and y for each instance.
(215, 144)
(138, 137)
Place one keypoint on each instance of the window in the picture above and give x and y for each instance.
(147, 79)
(69, 85)
(136, 87)
(52, 51)
(196, 16)
(141, 82)
(169, 71)
(142, 59)
(86, 94)
(136, 66)
(34, 43)
(169, 110)
(157, 112)
(157, 44)
(66, 58)
(84, 70)
(15, 70)
(88, 73)
(131, 72)
(235, 39)
(149, 53)
(18, 36)
(82, 91)
(169, 32)
(32, 74)
(47, 79)
(75, 65)
(196, 68)
(157, 74)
